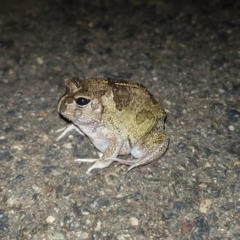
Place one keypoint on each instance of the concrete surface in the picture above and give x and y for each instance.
(187, 55)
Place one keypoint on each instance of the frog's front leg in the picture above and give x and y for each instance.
(112, 151)
(66, 130)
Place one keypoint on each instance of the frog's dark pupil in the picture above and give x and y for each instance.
(82, 101)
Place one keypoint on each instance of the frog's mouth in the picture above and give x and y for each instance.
(67, 119)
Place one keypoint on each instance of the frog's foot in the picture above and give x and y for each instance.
(98, 163)
(133, 163)
(142, 161)
(66, 130)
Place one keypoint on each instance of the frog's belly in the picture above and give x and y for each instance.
(102, 145)
(97, 136)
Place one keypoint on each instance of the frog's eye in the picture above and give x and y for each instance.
(82, 102)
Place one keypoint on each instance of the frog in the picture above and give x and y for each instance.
(119, 118)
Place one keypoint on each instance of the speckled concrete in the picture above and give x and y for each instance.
(188, 56)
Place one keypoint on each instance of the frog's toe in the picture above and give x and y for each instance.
(100, 164)
(125, 161)
(90, 160)
(136, 164)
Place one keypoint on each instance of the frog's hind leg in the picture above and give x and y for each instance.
(150, 148)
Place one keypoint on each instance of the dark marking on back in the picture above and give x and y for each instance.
(121, 96)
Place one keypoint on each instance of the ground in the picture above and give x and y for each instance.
(187, 55)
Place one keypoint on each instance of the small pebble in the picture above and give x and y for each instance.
(98, 227)
(47, 189)
(133, 221)
(187, 226)
(205, 205)
(220, 90)
(18, 147)
(84, 235)
(36, 188)
(202, 186)
(67, 145)
(55, 235)
(50, 219)
(40, 61)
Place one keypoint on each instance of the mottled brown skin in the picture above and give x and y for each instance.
(119, 117)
